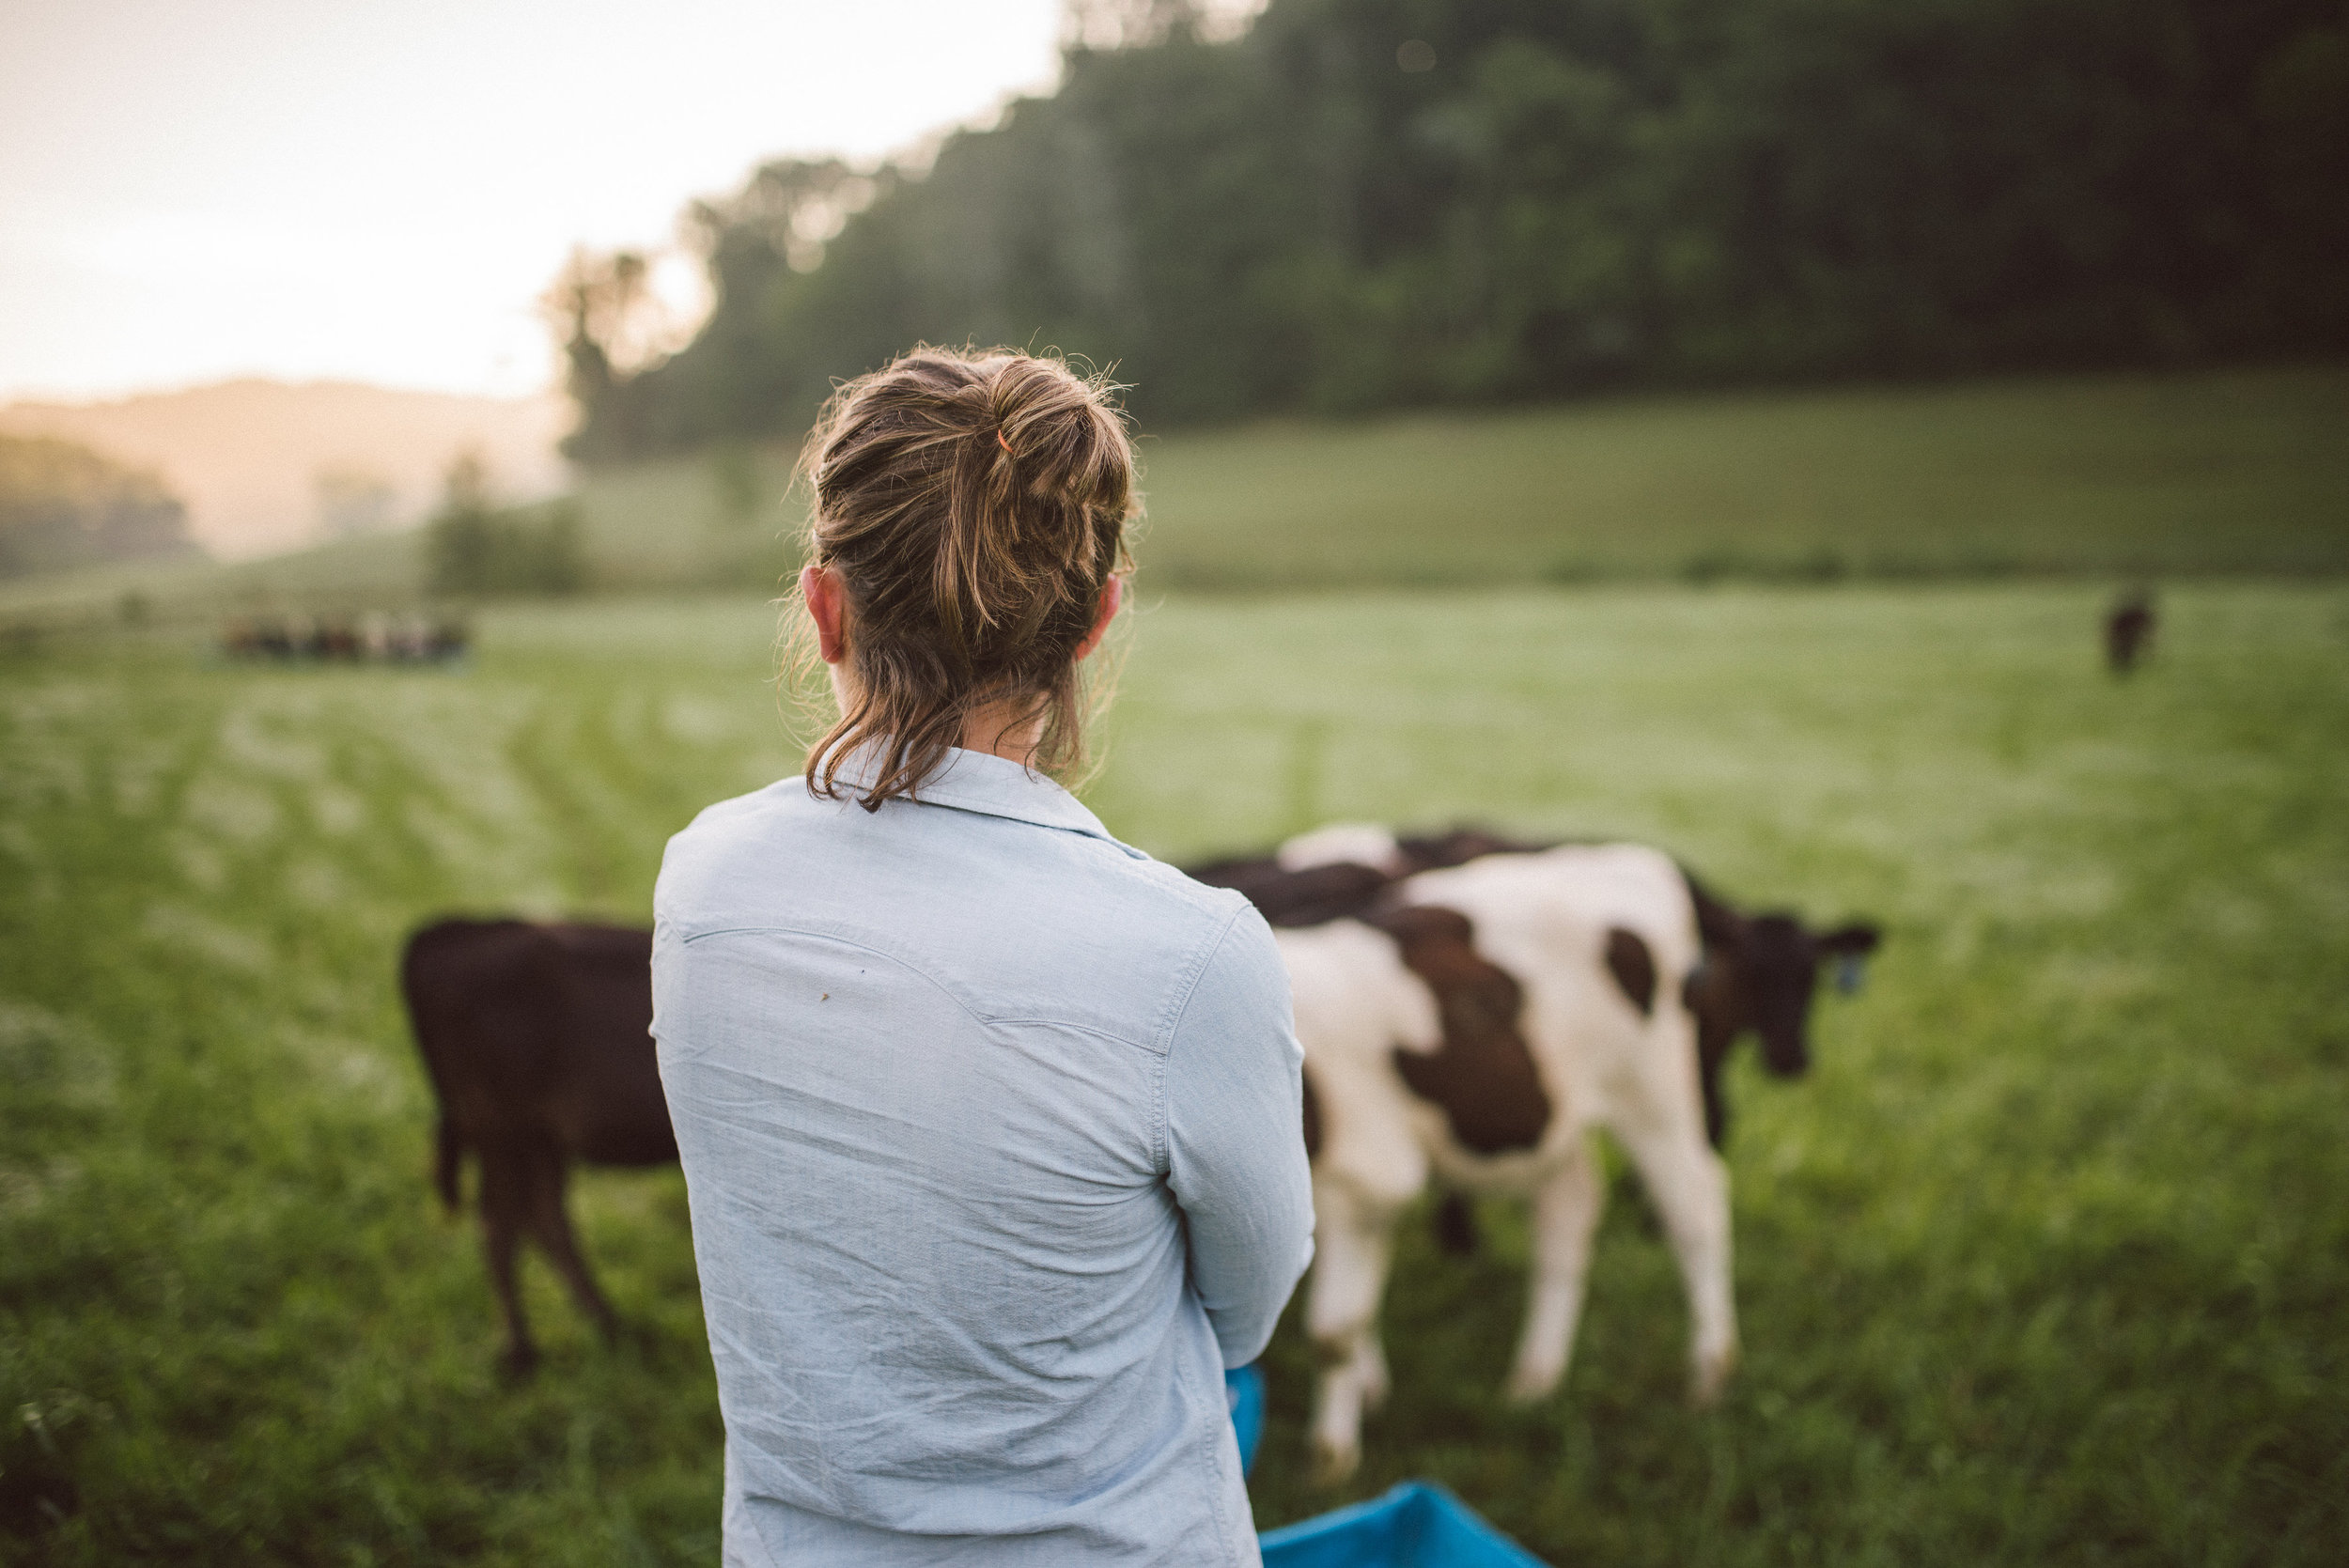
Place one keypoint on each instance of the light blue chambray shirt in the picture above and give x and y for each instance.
(991, 1133)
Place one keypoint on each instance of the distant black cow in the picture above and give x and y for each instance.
(538, 1040)
(2129, 631)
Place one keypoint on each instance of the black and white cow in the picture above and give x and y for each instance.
(1471, 1009)
(1477, 1029)
(1758, 976)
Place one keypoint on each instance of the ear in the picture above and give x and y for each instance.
(1856, 940)
(1113, 596)
(827, 606)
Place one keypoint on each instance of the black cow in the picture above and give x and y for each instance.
(2128, 631)
(537, 1041)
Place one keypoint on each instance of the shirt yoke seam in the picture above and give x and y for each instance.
(927, 978)
(990, 1020)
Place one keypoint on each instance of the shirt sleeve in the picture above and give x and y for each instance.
(1236, 1139)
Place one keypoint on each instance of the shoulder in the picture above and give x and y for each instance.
(726, 840)
(1207, 950)
(1150, 895)
(1157, 886)
(715, 828)
(1220, 923)
(1238, 965)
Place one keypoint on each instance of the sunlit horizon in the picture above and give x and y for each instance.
(343, 192)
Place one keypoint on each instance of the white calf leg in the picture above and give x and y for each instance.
(1692, 1188)
(1351, 1242)
(1565, 1213)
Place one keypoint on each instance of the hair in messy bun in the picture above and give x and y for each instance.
(974, 503)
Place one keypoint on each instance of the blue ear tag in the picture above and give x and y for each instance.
(1850, 970)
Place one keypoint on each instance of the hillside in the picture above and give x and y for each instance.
(2236, 472)
(2228, 472)
(2231, 472)
(247, 455)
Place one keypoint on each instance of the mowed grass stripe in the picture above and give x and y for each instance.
(2044, 1262)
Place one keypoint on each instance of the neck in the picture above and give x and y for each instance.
(1009, 729)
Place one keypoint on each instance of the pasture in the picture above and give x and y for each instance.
(2046, 1262)
(2233, 472)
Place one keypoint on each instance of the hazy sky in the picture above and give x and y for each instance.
(380, 189)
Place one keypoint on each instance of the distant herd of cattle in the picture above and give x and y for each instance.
(1471, 1008)
(372, 638)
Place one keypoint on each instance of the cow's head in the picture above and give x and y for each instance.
(1760, 974)
(1778, 965)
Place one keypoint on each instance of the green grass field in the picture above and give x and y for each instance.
(2238, 472)
(2243, 473)
(2046, 1263)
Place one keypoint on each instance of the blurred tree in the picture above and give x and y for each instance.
(1127, 24)
(353, 500)
(462, 542)
(1366, 203)
(2301, 97)
(557, 554)
(64, 505)
(611, 327)
(466, 484)
(476, 548)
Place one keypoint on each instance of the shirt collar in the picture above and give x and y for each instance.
(991, 785)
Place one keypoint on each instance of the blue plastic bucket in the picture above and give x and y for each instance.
(1243, 1391)
(1417, 1524)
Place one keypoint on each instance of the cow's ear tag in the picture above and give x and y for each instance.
(1851, 972)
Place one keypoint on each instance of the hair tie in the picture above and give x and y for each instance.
(1006, 446)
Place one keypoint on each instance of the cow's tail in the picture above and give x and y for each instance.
(447, 1170)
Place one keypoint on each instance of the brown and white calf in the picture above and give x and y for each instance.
(1758, 974)
(1477, 1024)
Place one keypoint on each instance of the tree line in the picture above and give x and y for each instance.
(62, 505)
(1364, 204)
